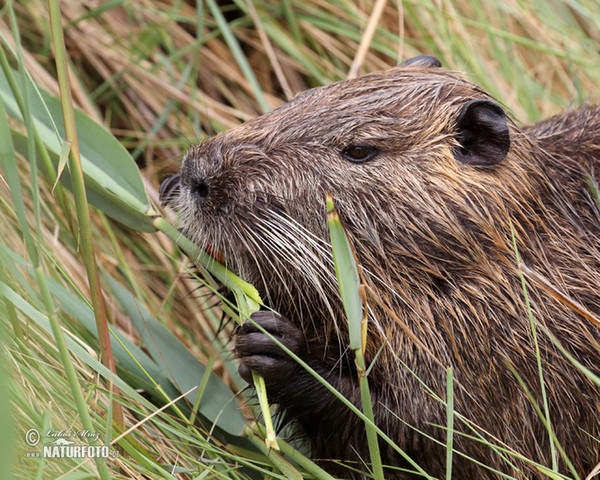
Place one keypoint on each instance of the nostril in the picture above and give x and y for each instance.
(200, 190)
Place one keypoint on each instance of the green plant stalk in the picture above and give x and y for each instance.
(239, 55)
(35, 189)
(157, 386)
(7, 159)
(49, 170)
(547, 421)
(307, 464)
(261, 392)
(7, 414)
(367, 406)
(248, 301)
(593, 186)
(224, 276)
(201, 387)
(46, 422)
(346, 267)
(292, 21)
(11, 312)
(346, 271)
(41, 149)
(65, 358)
(586, 371)
(246, 308)
(450, 421)
(285, 467)
(81, 204)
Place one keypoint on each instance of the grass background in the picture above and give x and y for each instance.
(162, 75)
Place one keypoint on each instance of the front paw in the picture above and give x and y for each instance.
(258, 353)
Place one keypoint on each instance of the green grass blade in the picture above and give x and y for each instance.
(11, 175)
(347, 275)
(180, 366)
(292, 20)
(280, 463)
(547, 420)
(346, 270)
(238, 54)
(450, 421)
(7, 427)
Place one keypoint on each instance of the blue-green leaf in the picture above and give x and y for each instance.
(113, 181)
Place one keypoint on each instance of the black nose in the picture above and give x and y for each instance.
(169, 189)
(200, 190)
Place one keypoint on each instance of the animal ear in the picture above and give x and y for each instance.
(422, 61)
(482, 134)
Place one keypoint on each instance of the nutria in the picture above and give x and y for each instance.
(432, 180)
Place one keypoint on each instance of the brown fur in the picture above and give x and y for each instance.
(434, 238)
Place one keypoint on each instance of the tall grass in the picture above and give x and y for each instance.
(161, 76)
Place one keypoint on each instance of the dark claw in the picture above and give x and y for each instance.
(258, 352)
(272, 323)
(275, 370)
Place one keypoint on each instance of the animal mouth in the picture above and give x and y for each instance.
(216, 254)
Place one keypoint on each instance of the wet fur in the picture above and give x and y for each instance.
(434, 238)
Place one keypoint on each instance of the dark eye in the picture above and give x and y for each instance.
(359, 153)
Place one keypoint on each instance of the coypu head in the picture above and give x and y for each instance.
(418, 161)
